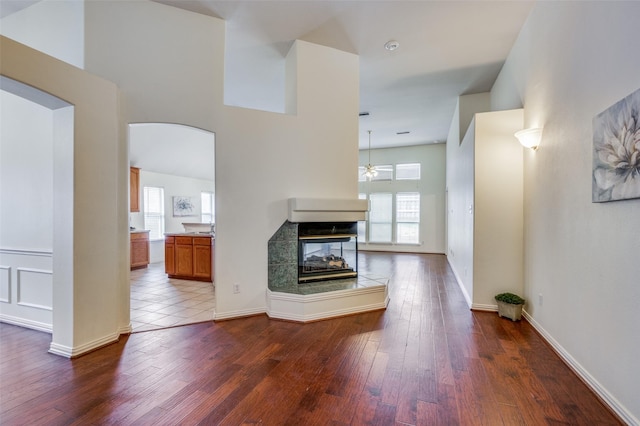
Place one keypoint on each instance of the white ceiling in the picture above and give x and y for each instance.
(7, 7)
(447, 48)
(172, 149)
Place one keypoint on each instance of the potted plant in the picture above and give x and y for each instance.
(510, 305)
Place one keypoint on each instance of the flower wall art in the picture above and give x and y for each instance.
(183, 206)
(616, 151)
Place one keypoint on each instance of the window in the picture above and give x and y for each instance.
(380, 217)
(207, 200)
(154, 212)
(362, 224)
(409, 171)
(408, 217)
(385, 172)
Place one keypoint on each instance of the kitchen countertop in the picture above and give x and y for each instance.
(137, 231)
(189, 234)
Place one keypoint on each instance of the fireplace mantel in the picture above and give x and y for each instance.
(327, 210)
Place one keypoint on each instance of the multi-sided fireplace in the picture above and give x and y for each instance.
(327, 250)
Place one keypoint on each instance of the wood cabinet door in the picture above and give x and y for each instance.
(134, 189)
(202, 261)
(170, 258)
(139, 253)
(184, 259)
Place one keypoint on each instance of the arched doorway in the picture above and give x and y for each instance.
(176, 164)
(36, 142)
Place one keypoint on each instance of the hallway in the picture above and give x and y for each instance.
(425, 360)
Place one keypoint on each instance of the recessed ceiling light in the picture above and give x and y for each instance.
(391, 45)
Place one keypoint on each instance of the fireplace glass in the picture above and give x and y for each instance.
(327, 251)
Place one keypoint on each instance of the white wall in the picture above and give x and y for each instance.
(173, 186)
(460, 199)
(497, 207)
(169, 65)
(485, 211)
(53, 27)
(26, 174)
(431, 187)
(26, 218)
(571, 61)
(90, 231)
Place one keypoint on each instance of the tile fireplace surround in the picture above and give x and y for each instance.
(304, 302)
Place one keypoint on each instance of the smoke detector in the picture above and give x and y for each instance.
(391, 45)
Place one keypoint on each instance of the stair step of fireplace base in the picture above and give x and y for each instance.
(329, 299)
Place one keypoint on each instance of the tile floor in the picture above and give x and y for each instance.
(158, 301)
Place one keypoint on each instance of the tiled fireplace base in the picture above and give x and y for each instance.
(331, 299)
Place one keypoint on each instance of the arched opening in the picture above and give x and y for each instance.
(36, 212)
(175, 165)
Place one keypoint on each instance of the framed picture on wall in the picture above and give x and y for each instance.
(616, 151)
(183, 206)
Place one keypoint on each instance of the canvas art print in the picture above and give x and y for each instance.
(616, 151)
(183, 206)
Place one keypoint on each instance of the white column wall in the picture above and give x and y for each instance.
(460, 199)
(90, 214)
(497, 210)
(571, 61)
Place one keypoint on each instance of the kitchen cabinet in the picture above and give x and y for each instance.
(170, 256)
(202, 260)
(134, 189)
(139, 249)
(189, 256)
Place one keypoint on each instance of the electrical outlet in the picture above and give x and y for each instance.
(540, 299)
(236, 288)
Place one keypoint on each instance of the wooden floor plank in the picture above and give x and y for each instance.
(426, 360)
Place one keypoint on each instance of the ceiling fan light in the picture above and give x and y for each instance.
(369, 170)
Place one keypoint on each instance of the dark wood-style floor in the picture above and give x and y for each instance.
(426, 360)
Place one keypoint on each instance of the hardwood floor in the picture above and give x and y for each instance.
(426, 360)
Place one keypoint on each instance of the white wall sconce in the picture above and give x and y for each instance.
(530, 138)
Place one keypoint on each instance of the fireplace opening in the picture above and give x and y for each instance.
(327, 251)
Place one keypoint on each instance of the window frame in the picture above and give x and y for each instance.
(371, 223)
(159, 215)
(403, 166)
(212, 206)
(398, 214)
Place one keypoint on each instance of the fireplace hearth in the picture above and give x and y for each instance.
(313, 264)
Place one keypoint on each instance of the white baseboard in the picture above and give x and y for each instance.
(22, 322)
(69, 352)
(237, 314)
(595, 386)
(482, 307)
(126, 329)
(460, 284)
